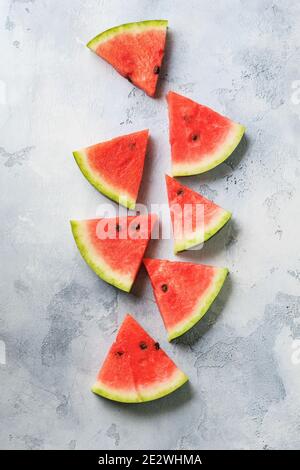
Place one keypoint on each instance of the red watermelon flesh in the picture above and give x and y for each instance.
(135, 50)
(136, 369)
(115, 167)
(200, 138)
(114, 247)
(183, 291)
(214, 217)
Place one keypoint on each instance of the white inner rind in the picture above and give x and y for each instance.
(142, 394)
(128, 28)
(202, 306)
(96, 262)
(103, 186)
(160, 389)
(209, 161)
(197, 237)
(125, 396)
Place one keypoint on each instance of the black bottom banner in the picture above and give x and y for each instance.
(134, 458)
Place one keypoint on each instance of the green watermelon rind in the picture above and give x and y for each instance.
(122, 397)
(167, 389)
(205, 302)
(125, 28)
(104, 272)
(143, 397)
(225, 152)
(185, 244)
(100, 184)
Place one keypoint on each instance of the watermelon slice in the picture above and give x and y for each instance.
(194, 231)
(114, 248)
(115, 167)
(136, 369)
(183, 291)
(135, 50)
(200, 138)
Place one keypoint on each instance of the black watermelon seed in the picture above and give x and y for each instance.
(119, 353)
(138, 227)
(118, 228)
(164, 287)
(156, 70)
(195, 137)
(143, 345)
(129, 79)
(157, 346)
(180, 192)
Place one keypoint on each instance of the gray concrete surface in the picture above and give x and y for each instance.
(57, 318)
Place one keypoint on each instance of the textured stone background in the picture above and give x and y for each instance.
(57, 318)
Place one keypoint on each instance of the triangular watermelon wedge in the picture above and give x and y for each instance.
(194, 231)
(200, 138)
(183, 291)
(115, 167)
(136, 369)
(135, 50)
(114, 247)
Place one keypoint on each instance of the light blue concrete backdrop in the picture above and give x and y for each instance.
(57, 318)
